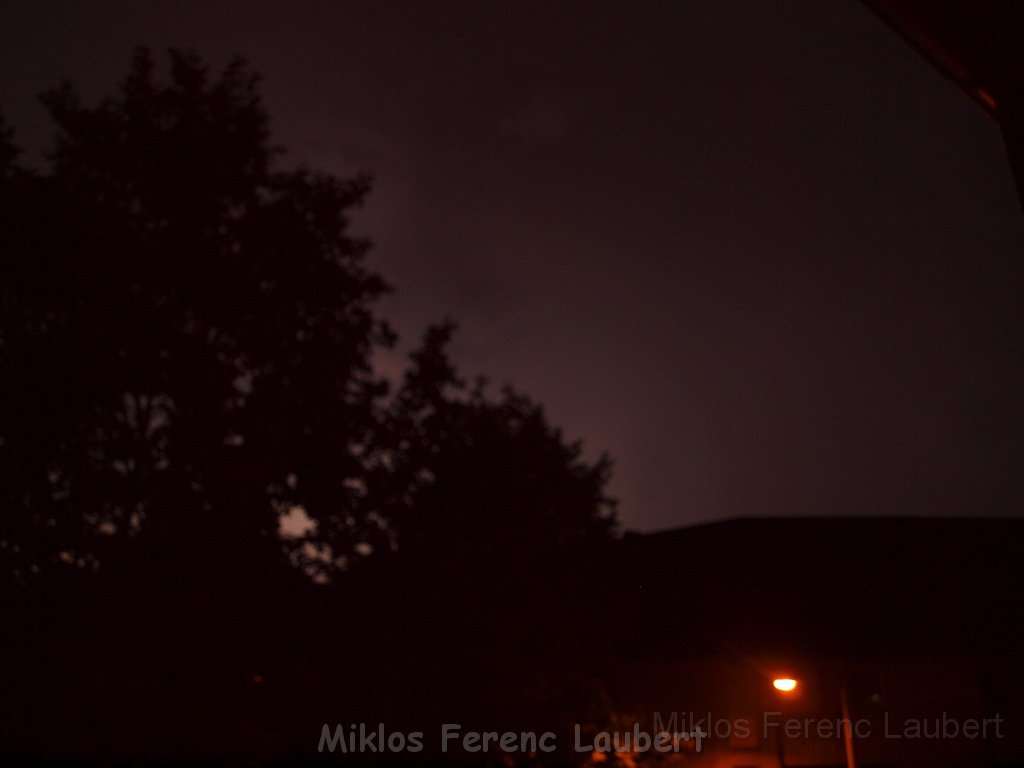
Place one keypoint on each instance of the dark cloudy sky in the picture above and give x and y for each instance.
(760, 252)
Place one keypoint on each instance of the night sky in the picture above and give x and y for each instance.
(762, 253)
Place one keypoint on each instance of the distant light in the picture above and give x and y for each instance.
(784, 683)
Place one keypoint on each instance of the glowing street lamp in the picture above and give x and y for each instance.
(782, 685)
(788, 685)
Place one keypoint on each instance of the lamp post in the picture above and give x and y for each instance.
(787, 685)
(847, 728)
(783, 685)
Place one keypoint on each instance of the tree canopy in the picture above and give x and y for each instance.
(188, 331)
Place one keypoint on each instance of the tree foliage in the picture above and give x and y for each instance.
(187, 332)
(187, 335)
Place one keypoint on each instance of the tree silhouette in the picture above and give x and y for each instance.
(187, 331)
(186, 343)
(187, 335)
(502, 529)
(488, 478)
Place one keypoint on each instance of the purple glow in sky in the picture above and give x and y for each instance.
(761, 253)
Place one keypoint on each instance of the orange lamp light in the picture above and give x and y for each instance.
(784, 684)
